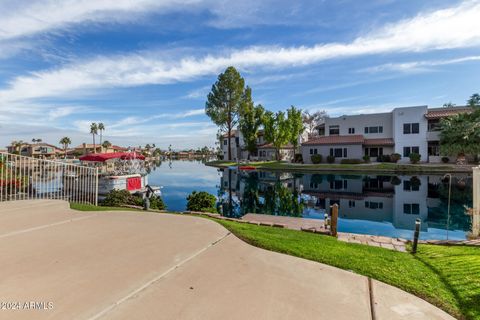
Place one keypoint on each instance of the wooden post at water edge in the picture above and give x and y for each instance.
(334, 221)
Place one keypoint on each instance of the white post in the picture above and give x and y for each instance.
(476, 203)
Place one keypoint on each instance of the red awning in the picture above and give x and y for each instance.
(102, 157)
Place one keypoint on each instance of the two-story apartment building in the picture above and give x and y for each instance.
(404, 131)
(265, 151)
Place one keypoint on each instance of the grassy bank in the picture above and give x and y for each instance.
(447, 277)
(367, 168)
(90, 207)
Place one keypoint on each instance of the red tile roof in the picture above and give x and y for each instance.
(350, 139)
(270, 146)
(379, 142)
(446, 112)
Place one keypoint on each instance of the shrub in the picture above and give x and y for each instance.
(396, 181)
(298, 158)
(330, 159)
(201, 201)
(384, 158)
(118, 198)
(394, 157)
(316, 158)
(445, 159)
(366, 158)
(415, 157)
(351, 161)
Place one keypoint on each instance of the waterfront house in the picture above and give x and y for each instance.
(404, 131)
(36, 150)
(265, 151)
(86, 148)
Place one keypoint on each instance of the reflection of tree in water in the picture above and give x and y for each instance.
(462, 194)
(250, 197)
(278, 199)
(281, 201)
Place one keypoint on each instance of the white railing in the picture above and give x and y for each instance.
(26, 178)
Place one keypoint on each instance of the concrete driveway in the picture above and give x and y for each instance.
(61, 264)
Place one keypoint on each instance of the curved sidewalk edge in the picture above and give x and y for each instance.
(130, 265)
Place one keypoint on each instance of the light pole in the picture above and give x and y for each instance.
(449, 196)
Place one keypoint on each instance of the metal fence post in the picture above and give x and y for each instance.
(416, 235)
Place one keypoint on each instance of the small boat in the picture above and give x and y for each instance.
(247, 168)
(125, 172)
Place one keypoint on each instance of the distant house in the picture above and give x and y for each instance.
(86, 148)
(404, 131)
(37, 150)
(265, 150)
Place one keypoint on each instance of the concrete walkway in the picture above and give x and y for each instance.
(131, 265)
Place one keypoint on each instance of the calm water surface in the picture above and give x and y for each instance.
(369, 204)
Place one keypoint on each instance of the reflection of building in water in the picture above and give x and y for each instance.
(399, 200)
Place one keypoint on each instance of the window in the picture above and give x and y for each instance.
(338, 184)
(411, 128)
(237, 141)
(334, 130)
(313, 151)
(344, 152)
(411, 208)
(373, 205)
(351, 130)
(313, 185)
(225, 142)
(408, 150)
(351, 204)
(409, 186)
(338, 152)
(378, 129)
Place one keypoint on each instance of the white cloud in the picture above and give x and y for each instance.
(442, 29)
(418, 66)
(21, 19)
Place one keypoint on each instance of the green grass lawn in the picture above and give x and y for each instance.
(446, 276)
(377, 167)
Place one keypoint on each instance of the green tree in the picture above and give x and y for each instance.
(65, 142)
(277, 131)
(449, 105)
(474, 100)
(94, 132)
(224, 100)
(460, 134)
(250, 121)
(101, 128)
(106, 144)
(295, 125)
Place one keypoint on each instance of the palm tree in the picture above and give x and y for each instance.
(94, 132)
(101, 128)
(65, 141)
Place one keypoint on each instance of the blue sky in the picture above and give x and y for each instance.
(144, 67)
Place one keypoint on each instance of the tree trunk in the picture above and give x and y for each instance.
(94, 146)
(229, 142)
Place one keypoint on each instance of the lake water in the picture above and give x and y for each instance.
(369, 204)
